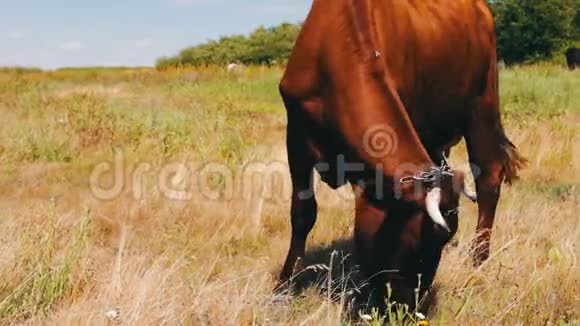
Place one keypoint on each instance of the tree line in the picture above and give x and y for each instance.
(527, 31)
(535, 30)
(263, 46)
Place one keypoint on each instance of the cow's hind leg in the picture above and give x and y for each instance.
(303, 203)
(494, 159)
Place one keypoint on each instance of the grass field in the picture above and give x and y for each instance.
(126, 198)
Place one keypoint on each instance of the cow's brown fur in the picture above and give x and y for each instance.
(428, 71)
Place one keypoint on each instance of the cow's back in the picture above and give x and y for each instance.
(436, 49)
(439, 54)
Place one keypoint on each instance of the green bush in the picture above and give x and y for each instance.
(263, 46)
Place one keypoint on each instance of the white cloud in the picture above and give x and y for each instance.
(145, 43)
(72, 45)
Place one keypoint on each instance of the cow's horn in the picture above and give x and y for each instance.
(432, 202)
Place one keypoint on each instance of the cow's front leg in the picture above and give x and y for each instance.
(368, 221)
(303, 217)
(303, 208)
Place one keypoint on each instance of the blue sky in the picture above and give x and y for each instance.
(59, 33)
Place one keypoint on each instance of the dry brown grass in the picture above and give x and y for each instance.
(68, 258)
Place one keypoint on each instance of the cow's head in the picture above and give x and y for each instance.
(423, 220)
(435, 190)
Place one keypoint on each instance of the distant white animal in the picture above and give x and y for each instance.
(233, 67)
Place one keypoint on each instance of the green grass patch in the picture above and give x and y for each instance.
(48, 257)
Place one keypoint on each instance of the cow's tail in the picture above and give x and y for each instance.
(513, 161)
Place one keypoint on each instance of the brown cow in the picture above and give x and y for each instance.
(392, 85)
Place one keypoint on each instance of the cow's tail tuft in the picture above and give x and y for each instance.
(513, 161)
